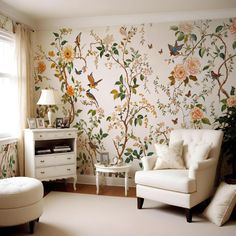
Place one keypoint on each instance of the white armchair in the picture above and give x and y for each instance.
(181, 187)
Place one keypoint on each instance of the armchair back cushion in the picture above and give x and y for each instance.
(213, 138)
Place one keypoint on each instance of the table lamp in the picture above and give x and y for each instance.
(47, 98)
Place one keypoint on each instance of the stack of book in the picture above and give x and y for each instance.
(62, 148)
(43, 151)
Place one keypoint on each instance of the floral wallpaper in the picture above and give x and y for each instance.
(6, 24)
(8, 160)
(125, 88)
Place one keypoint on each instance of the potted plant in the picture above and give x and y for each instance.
(227, 123)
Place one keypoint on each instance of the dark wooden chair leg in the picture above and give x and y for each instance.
(37, 220)
(188, 214)
(31, 226)
(140, 201)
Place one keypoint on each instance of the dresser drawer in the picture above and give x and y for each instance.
(54, 160)
(54, 135)
(54, 171)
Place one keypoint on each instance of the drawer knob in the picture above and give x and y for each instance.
(42, 161)
(69, 133)
(42, 172)
(68, 158)
(68, 169)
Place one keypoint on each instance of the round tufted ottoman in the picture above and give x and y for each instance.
(21, 201)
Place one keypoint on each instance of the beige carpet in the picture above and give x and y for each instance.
(73, 214)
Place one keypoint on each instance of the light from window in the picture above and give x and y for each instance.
(8, 87)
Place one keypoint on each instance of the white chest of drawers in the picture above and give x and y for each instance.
(43, 161)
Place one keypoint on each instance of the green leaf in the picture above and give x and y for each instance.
(121, 79)
(206, 121)
(172, 79)
(99, 48)
(194, 37)
(202, 51)
(224, 107)
(150, 153)
(56, 34)
(232, 91)
(174, 27)
(193, 77)
(108, 118)
(180, 36)
(141, 77)
(234, 45)
(122, 96)
(222, 55)
(64, 42)
(104, 135)
(219, 28)
(206, 67)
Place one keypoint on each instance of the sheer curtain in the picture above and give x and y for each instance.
(25, 85)
(8, 86)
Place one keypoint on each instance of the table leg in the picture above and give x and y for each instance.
(126, 183)
(97, 181)
(74, 184)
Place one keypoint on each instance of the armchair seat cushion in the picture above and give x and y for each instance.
(168, 179)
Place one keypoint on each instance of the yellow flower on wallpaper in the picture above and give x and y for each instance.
(196, 114)
(41, 67)
(180, 72)
(193, 65)
(70, 91)
(233, 27)
(51, 53)
(231, 101)
(68, 54)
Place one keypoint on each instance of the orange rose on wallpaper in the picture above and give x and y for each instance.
(41, 67)
(193, 65)
(70, 91)
(68, 54)
(196, 114)
(180, 72)
(231, 102)
(233, 27)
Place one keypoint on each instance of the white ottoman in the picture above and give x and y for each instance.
(21, 201)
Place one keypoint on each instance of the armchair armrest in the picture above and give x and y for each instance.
(148, 162)
(201, 165)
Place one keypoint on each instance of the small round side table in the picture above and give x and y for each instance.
(112, 169)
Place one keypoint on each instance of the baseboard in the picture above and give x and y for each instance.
(109, 181)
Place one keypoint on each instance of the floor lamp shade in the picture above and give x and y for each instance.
(47, 98)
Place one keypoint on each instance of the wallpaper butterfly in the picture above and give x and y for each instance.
(174, 50)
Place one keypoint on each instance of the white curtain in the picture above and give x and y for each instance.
(25, 85)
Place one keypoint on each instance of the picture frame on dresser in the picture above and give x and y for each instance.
(40, 123)
(31, 123)
(59, 122)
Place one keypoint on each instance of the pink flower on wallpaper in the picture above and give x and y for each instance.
(233, 27)
(196, 114)
(180, 72)
(231, 102)
(186, 27)
(193, 65)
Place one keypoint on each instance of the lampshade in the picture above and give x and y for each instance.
(47, 97)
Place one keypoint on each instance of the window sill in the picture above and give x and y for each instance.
(8, 140)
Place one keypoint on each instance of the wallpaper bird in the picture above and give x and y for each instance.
(92, 82)
(174, 50)
(91, 97)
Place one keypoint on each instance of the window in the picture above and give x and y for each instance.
(8, 86)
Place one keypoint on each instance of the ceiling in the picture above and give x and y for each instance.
(53, 9)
